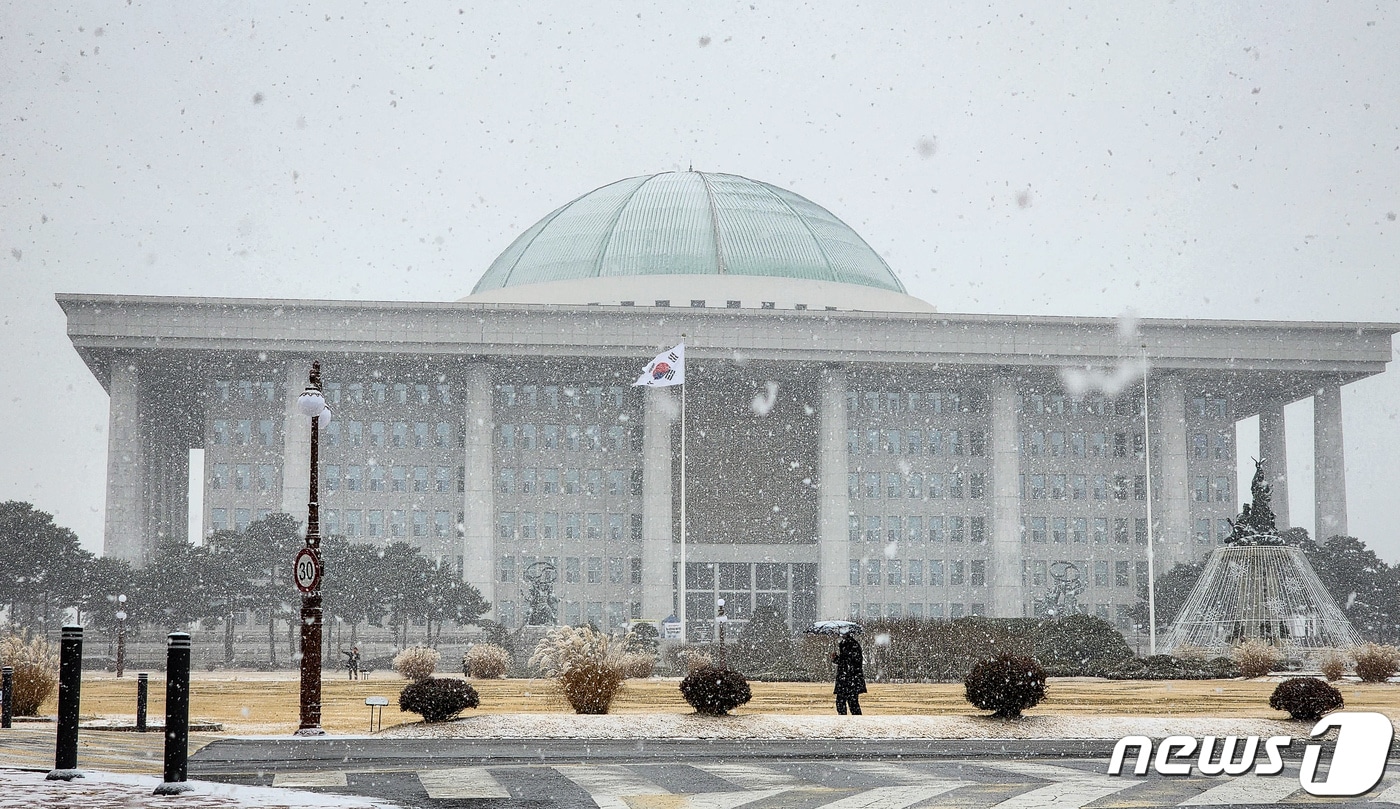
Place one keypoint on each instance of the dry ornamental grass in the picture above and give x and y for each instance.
(417, 663)
(36, 671)
(1255, 658)
(487, 661)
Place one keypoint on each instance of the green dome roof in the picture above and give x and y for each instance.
(689, 223)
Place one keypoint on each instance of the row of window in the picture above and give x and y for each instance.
(937, 402)
(418, 434)
(1058, 443)
(219, 518)
(620, 482)
(246, 390)
(1058, 404)
(376, 478)
(917, 442)
(245, 477)
(575, 526)
(892, 572)
(575, 437)
(353, 523)
(576, 569)
(917, 485)
(954, 609)
(1099, 573)
(1058, 486)
(381, 392)
(551, 397)
(240, 432)
(897, 528)
(575, 613)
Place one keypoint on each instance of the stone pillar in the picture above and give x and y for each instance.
(1273, 451)
(1008, 594)
(479, 503)
(834, 545)
(658, 549)
(1329, 463)
(296, 442)
(1175, 543)
(123, 535)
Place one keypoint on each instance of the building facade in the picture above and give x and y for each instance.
(850, 451)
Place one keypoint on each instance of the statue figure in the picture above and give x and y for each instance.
(1255, 525)
(542, 604)
(1064, 593)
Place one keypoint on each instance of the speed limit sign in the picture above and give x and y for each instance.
(306, 570)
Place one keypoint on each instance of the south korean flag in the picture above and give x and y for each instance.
(666, 370)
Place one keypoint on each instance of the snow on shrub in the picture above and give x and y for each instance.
(1333, 665)
(1255, 658)
(1006, 685)
(36, 671)
(1375, 663)
(715, 691)
(486, 661)
(637, 665)
(417, 663)
(438, 699)
(1305, 698)
(584, 663)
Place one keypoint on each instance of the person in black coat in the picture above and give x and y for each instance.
(850, 675)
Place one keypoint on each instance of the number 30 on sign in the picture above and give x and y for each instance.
(306, 570)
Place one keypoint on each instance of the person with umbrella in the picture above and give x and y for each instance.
(850, 674)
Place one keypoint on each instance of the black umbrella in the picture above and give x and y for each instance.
(834, 628)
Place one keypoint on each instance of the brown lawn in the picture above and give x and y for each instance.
(253, 702)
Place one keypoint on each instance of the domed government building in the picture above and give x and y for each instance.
(850, 450)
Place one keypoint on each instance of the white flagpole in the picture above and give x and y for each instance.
(685, 637)
(1151, 551)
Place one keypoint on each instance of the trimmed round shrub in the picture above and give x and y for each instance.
(438, 699)
(1305, 698)
(36, 671)
(486, 661)
(1375, 663)
(1255, 658)
(1333, 666)
(1006, 685)
(1166, 667)
(1079, 644)
(417, 662)
(715, 691)
(590, 684)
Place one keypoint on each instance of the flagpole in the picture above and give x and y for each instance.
(685, 636)
(1151, 551)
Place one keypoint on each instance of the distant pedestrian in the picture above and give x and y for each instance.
(352, 662)
(850, 675)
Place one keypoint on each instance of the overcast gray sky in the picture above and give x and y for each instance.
(1213, 159)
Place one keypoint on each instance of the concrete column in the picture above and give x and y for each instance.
(123, 535)
(1273, 451)
(658, 549)
(1008, 594)
(834, 545)
(1329, 463)
(296, 442)
(1173, 532)
(479, 501)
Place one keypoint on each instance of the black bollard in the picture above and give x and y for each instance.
(143, 686)
(177, 714)
(70, 684)
(7, 687)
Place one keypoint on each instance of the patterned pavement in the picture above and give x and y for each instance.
(808, 784)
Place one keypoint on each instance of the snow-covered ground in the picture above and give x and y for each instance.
(20, 789)
(768, 726)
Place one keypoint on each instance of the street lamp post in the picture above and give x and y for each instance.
(121, 634)
(307, 569)
(721, 619)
